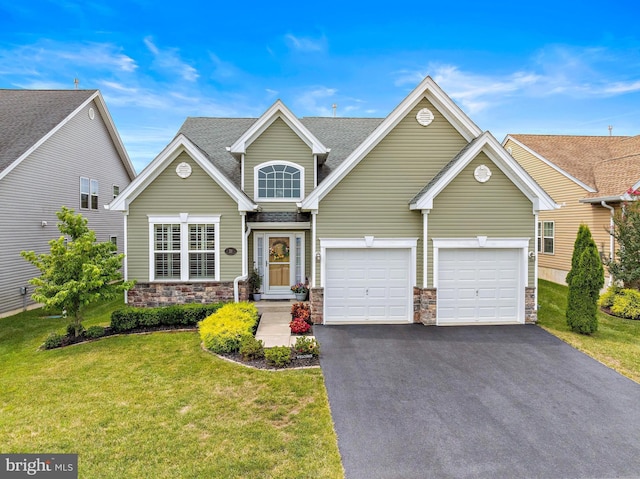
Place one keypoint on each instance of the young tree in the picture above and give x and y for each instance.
(78, 270)
(585, 280)
(626, 231)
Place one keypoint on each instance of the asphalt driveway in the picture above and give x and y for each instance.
(410, 401)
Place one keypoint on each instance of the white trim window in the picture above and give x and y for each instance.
(93, 190)
(279, 181)
(546, 237)
(184, 248)
(88, 193)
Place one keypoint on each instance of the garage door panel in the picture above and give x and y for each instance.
(478, 285)
(377, 284)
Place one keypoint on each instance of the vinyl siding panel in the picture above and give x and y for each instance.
(169, 194)
(278, 142)
(46, 180)
(373, 199)
(568, 218)
(467, 208)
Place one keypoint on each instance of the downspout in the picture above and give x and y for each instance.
(535, 262)
(125, 266)
(245, 258)
(611, 239)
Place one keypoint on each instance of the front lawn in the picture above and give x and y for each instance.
(159, 406)
(615, 344)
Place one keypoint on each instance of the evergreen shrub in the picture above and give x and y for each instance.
(224, 330)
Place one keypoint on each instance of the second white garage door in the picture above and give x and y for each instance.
(479, 285)
(368, 285)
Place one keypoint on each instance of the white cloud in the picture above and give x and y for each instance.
(169, 60)
(555, 70)
(48, 57)
(623, 87)
(316, 101)
(303, 44)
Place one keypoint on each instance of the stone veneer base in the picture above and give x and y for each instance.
(166, 294)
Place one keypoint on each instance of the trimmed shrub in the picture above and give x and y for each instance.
(224, 330)
(279, 356)
(75, 330)
(54, 340)
(307, 345)
(606, 299)
(129, 318)
(251, 348)
(299, 326)
(94, 332)
(626, 304)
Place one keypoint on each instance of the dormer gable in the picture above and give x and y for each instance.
(277, 111)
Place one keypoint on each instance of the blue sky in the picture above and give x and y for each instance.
(562, 67)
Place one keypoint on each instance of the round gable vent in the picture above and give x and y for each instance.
(482, 174)
(424, 117)
(183, 170)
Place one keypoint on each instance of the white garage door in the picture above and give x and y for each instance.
(368, 285)
(479, 286)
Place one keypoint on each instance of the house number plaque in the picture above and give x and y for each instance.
(230, 251)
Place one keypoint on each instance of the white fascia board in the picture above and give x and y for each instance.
(49, 134)
(636, 186)
(179, 144)
(498, 155)
(428, 89)
(548, 163)
(277, 110)
(115, 136)
(518, 175)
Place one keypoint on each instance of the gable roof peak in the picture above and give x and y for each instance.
(275, 111)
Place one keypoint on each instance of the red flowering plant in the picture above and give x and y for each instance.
(302, 311)
(299, 326)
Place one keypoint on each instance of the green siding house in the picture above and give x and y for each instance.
(416, 217)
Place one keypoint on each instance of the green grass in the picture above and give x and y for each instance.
(615, 344)
(158, 406)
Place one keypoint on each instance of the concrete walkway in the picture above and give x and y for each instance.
(274, 329)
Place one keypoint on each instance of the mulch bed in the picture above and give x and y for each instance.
(262, 363)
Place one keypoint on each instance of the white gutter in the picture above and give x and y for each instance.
(611, 238)
(245, 258)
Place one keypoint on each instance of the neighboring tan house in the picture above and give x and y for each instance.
(589, 177)
(57, 147)
(416, 217)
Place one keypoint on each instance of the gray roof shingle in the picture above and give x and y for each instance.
(214, 135)
(26, 116)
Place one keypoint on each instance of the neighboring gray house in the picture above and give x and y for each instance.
(57, 147)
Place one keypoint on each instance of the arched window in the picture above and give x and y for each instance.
(279, 180)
